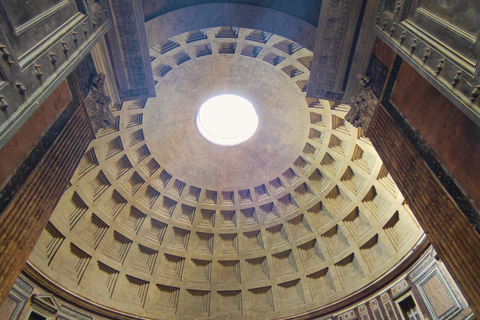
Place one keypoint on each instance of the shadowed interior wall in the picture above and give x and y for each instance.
(449, 231)
(453, 137)
(24, 141)
(307, 10)
(27, 214)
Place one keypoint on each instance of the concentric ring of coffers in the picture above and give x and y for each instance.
(139, 233)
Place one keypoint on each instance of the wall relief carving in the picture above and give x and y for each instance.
(362, 106)
(98, 104)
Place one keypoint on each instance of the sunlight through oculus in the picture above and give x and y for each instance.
(227, 120)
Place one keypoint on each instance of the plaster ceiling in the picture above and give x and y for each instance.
(158, 223)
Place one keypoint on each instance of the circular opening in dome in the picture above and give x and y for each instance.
(227, 120)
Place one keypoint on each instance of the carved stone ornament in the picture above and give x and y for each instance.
(362, 105)
(98, 104)
(45, 303)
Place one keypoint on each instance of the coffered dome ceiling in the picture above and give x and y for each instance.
(159, 223)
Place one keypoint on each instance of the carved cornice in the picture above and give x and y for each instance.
(32, 77)
(336, 32)
(46, 302)
(448, 58)
(129, 51)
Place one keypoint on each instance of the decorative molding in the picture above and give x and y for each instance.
(129, 51)
(30, 83)
(46, 302)
(98, 104)
(362, 105)
(66, 313)
(337, 32)
(41, 17)
(349, 315)
(452, 70)
(427, 275)
(427, 259)
(20, 293)
(400, 288)
(101, 59)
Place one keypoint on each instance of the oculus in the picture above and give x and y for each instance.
(227, 120)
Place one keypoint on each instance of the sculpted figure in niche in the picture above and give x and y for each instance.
(362, 106)
(98, 104)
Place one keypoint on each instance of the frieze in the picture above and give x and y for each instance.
(130, 54)
(400, 288)
(335, 36)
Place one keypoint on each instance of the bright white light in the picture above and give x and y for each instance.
(227, 120)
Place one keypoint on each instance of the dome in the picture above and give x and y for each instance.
(159, 223)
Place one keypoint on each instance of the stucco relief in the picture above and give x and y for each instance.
(98, 104)
(362, 106)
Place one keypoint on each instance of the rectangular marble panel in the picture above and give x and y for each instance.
(437, 295)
